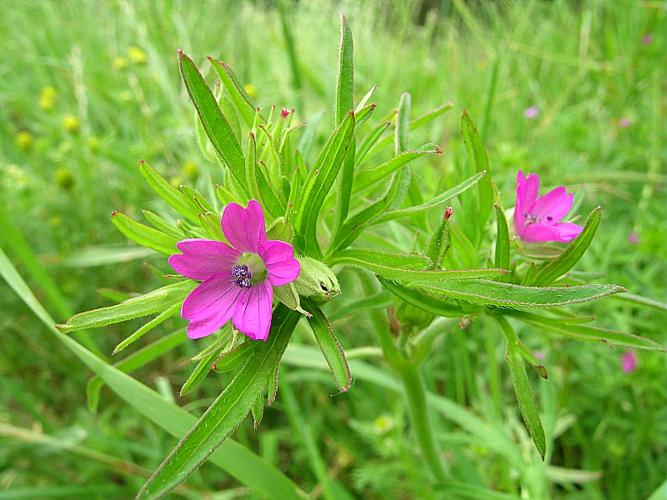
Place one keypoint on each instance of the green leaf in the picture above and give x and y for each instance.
(439, 244)
(380, 300)
(198, 375)
(415, 124)
(438, 200)
(231, 457)
(162, 225)
(560, 265)
(258, 411)
(226, 412)
(319, 181)
(502, 259)
(156, 301)
(524, 394)
(515, 296)
(642, 301)
(345, 82)
(176, 200)
(329, 345)
(242, 101)
(144, 329)
(408, 269)
(144, 235)
(370, 140)
(477, 153)
(233, 359)
(423, 301)
(215, 124)
(369, 176)
(587, 333)
(102, 255)
(135, 361)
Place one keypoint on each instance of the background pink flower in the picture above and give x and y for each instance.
(629, 361)
(237, 279)
(531, 112)
(539, 218)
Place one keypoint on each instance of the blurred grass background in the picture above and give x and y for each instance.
(87, 89)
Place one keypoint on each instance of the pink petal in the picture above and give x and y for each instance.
(527, 189)
(568, 231)
(209, 306)
(252, 315)
(534, 233)
(280, 263)
(553, 206)
(202, 259)
(244, 227)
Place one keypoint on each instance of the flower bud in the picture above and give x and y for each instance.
(71, 124)
(24, 140)
(281, 229)
(316, 280)
(64, 178)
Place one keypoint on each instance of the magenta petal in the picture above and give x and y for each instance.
(252, 315)
(202, 259)
(527, 189)
(535, 233)
(568, 231)
(209, 306)
(280, 263)
(244, 227)
(553, 206)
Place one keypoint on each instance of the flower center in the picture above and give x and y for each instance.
(248, 270)
(241, 276)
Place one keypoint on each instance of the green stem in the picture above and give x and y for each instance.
(415, 393)
(413, 386)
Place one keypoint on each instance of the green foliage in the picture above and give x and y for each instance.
(338, 178)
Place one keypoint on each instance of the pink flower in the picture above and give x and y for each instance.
(633, 238)
(629, 362)
(624, 122)
(647, 39)
(237, 280)
(284, 113)
(531, 112)
(538, 218)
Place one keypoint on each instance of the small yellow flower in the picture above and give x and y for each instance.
(93, 144)
(47, 98)
(190, 169)
(119, 63)
(23, 140)
(136, 55)
(383, 423)
(251, 90)
(64, 178)
(71, 124)
(46, 103)
(48, 91)
(176, 181)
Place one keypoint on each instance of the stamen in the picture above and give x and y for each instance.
(241, 276)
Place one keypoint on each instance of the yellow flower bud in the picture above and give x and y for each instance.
(46, 103)
(64, 178)
(23, 140)
(93, 144)
(136, 55)
(190, 169)
(119, 63)
(71, 124)
(48, 92)
(251, 90)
